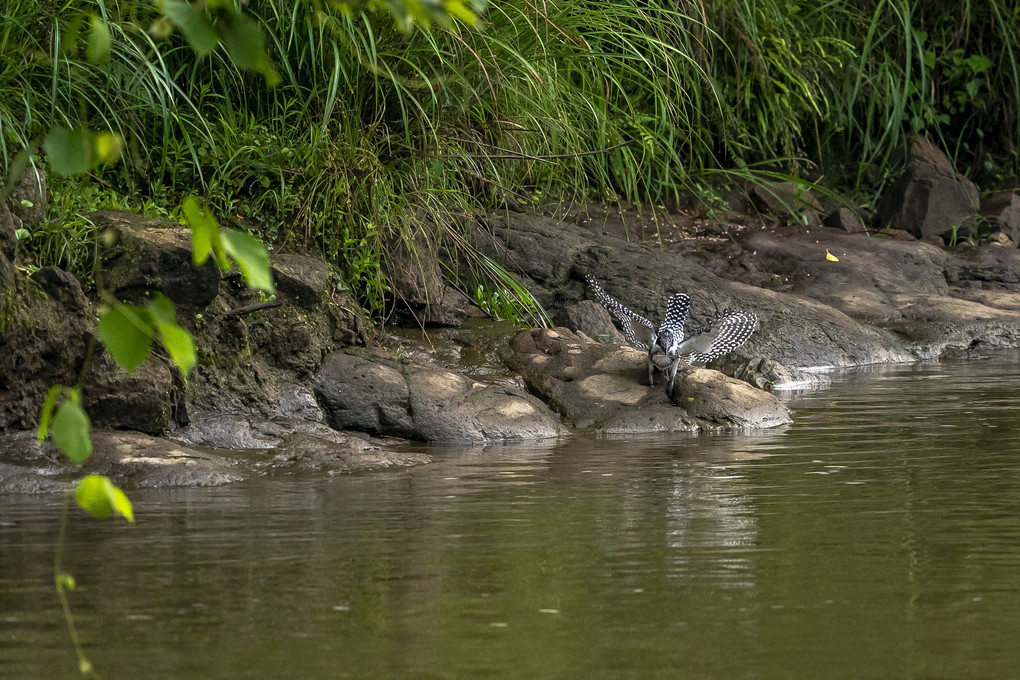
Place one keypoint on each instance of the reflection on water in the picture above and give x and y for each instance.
(877, 537)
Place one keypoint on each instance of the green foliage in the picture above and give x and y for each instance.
(246, 250)
(98, 496)
(70, 430)
(127, 332)
(371, 130)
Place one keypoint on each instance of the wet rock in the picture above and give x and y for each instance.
(602, 387)
(452, 310)
(930, 198)
(298, 401)
(29, 197)
(41, 344)
(375, 395)
(302, 279)
(412, 266)
(151, 256)
(356, 393)
(769, 375)
(131, 459)
(296, 445)
(62, 287)
(304, 452)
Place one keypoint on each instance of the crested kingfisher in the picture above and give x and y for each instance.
(668, 344)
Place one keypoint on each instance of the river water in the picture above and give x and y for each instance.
(877, 537)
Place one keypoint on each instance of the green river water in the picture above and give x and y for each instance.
(877, 537)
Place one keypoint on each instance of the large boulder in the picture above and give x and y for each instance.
(375, 394)
(154, 256)
(603, 387)
(930, 198)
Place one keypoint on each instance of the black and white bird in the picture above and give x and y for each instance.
(669, 345)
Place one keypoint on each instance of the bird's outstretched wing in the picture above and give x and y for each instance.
(676, 314)
(726, 334)
(625, 316)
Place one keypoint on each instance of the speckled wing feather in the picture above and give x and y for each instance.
(676, 314)
(725, 335)
(625, 316)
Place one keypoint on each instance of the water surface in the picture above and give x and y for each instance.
(877, 537)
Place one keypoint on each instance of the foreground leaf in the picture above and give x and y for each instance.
(205, 231)
(251, 257)
(70, 432)
(98, 49)
(126, 331)
(69, 152)
(179, 345)
(47, 412)
(194, 23)
(99, 496)
(65, 582)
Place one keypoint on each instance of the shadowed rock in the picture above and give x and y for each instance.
(154, 255)
(930, 198)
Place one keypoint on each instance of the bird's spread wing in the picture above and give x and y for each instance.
(726, 334)
(676, 314)
(625, 316)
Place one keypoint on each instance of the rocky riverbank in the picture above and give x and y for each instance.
(302, 382)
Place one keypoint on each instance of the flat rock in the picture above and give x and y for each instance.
(131, 459)
(602, 387)
(795, 331)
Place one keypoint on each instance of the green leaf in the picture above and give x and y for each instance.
(162, 309)
(69, 152)
(243, 40)
(205, 231)
(108, 147)
(65, 582)
(251, 257)
(98, 50)
(98, 496)
(25, 203)
(178, 341)
(47, 411)
(22, 234)
(179, 344)
(126, 331)
(70, 432)
(194, 24)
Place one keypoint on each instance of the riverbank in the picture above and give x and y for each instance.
(303, 381)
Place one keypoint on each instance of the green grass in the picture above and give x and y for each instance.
(374, 132)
